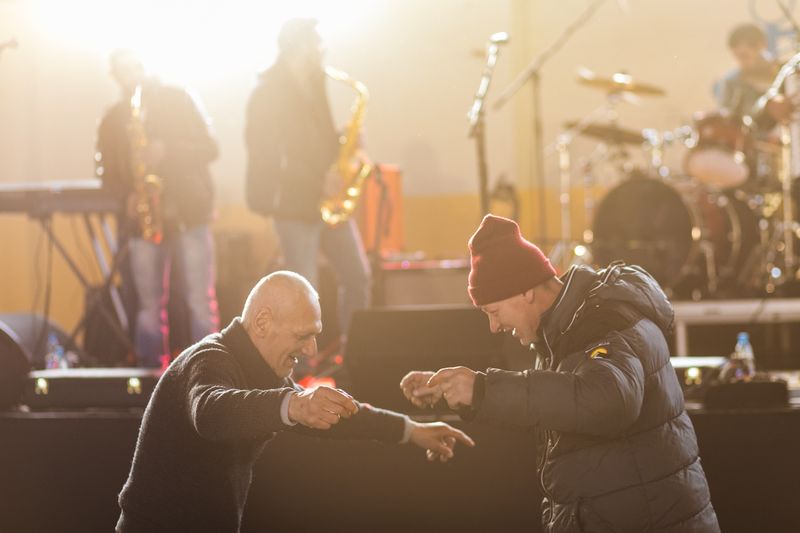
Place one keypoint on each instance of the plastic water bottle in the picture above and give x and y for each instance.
(741, 365)
(55, 356)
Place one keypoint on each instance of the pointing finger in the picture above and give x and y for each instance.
(460, 435)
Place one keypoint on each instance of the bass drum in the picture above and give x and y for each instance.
(688, 239)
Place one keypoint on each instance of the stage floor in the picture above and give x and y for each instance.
(61, 471)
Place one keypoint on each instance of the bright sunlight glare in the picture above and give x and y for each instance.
(195, 41)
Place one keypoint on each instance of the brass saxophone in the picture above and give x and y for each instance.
(146, 186)
(354, 172)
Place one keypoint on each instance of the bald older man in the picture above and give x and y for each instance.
(221, 400)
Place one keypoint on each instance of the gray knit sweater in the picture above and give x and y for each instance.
(207, 422)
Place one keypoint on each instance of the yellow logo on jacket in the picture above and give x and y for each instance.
(598, 352)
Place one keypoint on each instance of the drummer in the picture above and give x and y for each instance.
(739, 89)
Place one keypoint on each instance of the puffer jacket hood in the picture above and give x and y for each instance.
(634, 286)
(618, 283)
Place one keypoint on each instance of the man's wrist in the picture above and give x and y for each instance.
(478, 390)
(285, 409)
(469, 412)
(408, 429)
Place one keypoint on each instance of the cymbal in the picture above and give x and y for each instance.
(609, 133)
(618, 82)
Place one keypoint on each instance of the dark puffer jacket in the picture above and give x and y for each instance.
(619, 452)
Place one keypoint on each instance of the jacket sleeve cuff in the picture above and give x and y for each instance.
(478, 392)
(407, 429)
(285, 409)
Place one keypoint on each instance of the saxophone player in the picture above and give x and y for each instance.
(157, 134)
(292, 146)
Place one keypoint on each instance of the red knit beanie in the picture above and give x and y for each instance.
(503, 263)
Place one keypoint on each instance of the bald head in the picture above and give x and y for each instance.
(282, 318)
(281, 292)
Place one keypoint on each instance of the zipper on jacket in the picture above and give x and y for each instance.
(547, 433)
(549, 362)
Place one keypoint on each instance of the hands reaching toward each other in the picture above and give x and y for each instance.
(426, 388)
(415, 389)
(456, 385)
(438, 439)
(321, 408)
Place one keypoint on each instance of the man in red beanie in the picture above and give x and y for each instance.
(619, 452)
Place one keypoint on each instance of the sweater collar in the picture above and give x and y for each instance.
(258, 373)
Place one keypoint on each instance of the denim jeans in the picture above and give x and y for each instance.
(192, 251)
(301, 243)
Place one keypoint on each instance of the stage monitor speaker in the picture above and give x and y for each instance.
(14, 366)
(415, 283)
(385, 344)
(81, 388)
(31, 331)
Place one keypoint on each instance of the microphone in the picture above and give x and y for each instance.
(499, 38)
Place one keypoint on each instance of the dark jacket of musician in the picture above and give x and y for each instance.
(291, 144)
(173, 117)
(618, 450)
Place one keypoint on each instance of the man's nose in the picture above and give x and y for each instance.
(310, 347)
(494, 325)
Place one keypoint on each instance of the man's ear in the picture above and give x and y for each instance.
(263, 321)
(529, 295)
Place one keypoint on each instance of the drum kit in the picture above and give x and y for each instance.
(722, 224)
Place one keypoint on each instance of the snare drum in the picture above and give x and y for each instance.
(718, 151)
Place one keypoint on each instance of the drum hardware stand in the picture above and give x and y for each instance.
(757, 271)
(567, 251)
(655, 141)
(788, 222)
(562, 253)
(589, 201)
(786, 227)
(707, 248)
(774, 261)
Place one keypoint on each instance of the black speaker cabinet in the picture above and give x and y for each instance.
(385, 344)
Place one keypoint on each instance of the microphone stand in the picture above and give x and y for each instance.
(476, 117)
(531, 73)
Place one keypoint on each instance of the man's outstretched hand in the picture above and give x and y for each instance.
(438, 439)
(425, 389)
(455, 385)
(415, 388)
(321, 408)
